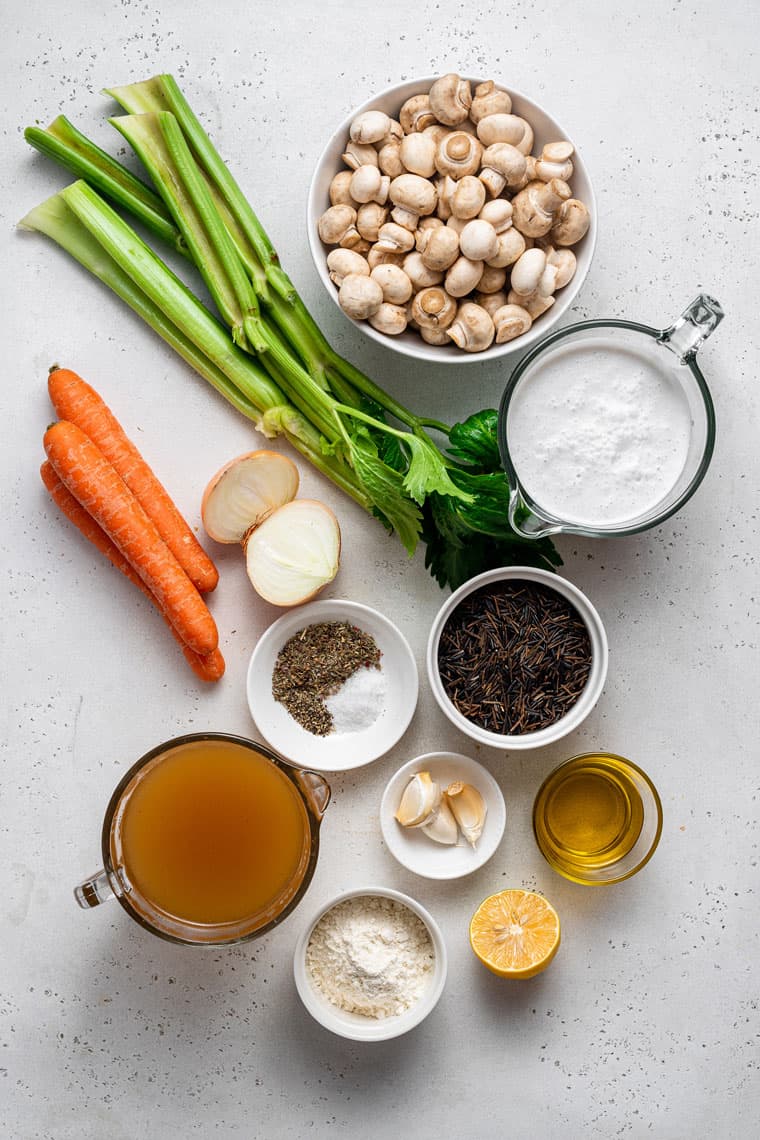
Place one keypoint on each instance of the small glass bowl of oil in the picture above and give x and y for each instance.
(597, 818)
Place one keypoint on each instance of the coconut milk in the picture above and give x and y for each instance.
(598, 434)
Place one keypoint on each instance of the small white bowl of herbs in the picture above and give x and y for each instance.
(332, 685)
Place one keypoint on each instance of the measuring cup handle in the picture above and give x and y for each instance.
(687, 335)
(94, 891)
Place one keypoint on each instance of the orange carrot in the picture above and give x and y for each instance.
(208, 666)
(87, 474)
(74, 400)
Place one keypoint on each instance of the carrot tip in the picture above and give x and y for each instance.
(54, 368)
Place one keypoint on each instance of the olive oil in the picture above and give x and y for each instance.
(212, 833)
(588, 816)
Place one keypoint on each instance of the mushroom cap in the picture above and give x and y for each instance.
(334, 223)
(468, 197)
(489, 99)
(458, 153)
(439, 247)
(472, 328)
(451, 99)
(359, 296)
(416, 113)
(463, 276)
(370, 126)
(479, 240)
(389, 319)
(527, 271)
(414, 193)
(417, 154)
(511, 321)
(341, 262)
(434, 308)
(395, 284)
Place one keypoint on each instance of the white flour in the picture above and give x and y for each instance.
(370, 955)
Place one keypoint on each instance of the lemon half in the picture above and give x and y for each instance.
(515, 933)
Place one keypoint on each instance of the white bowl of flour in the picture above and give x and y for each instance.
(371, 965)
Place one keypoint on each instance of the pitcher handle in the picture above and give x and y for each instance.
(525, 521)
(94, 891)
(698, 321)
(316, 791)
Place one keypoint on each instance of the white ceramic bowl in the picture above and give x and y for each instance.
(337, 752)
(415, 850)
(546, 129)
(588, 697)
(354, 1025)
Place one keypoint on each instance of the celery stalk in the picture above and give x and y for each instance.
(63, 142)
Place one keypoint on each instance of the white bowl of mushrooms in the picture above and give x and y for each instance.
(452, 219)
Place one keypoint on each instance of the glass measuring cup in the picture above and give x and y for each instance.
(299, 803)
(670, 354)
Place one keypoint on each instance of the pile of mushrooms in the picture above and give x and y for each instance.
(444, 222)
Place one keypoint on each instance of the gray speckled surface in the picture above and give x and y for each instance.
(647, 1022)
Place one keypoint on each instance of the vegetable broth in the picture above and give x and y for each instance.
(212, 832)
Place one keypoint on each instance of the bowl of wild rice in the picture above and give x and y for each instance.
(517, 657)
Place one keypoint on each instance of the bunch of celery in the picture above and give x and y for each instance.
(266, 355)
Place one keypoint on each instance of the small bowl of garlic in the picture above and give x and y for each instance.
(452, 219)
(442, 815)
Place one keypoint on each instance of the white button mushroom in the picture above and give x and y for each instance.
(450, 99)
(377, 257)
(511, 245)
(571, 223)
(492, 280)
(341, 262)
(416, 114)
(535, 304)
(534, 208)
(498, 211)
(389, 319)
(463, 276)
(502, 166)
(472, 328)
(434, 336)
(434, 308)
(336, 223)
(501, 128)
(396, 286)
(478, 240)
(359, 154)
(370, 127)
(394, 238)
(418, 273)
(511, 321)
(389, 159)
(527, 271)
(417, 154)
(439, 247)
(489, 100)
(340, 191)
(490, 301)
(445, 187)
(369, 218)
(431, 222)
(359, 296)
(564, 262)
(555, 162)
(414, 194)
(369, 185)
(468, 197)
(458, 154)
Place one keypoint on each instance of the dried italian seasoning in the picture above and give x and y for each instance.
(314, 663)
(514, 657)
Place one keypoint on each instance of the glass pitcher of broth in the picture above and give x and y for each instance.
(607, 427)
(209, 839)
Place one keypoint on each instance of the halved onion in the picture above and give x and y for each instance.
(245, 492)
(294, 552)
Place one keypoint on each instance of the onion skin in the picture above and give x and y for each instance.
(270, 465)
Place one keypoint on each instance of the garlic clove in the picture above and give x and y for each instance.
(468, 808)
(442, 827)
(294, 553)
(245, 492)
(421, 798)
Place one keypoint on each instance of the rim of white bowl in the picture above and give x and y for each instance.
(416, 348)
(353, 1026)
(590, 694)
